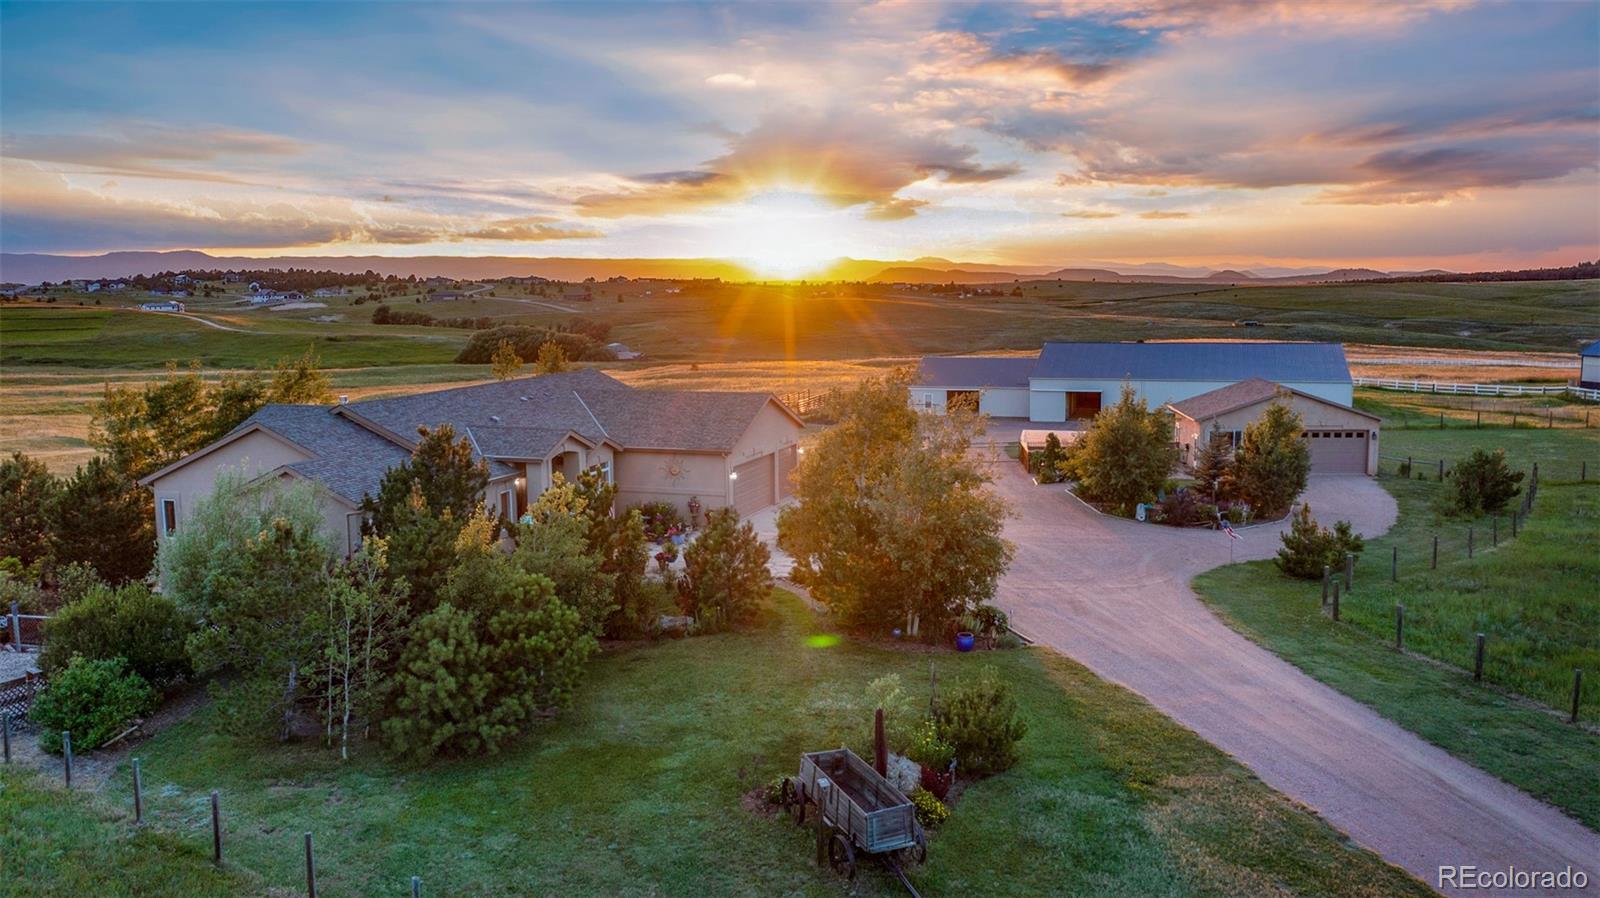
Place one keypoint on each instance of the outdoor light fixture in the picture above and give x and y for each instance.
(733, 475)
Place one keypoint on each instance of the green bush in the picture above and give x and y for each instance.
(659, 517)
(1483, 483)
(980, 721)
(725, 575)
(1273, 462)
(928, 749)
(74, 580)
(132, 623)
(94, 700)
(527, 340)
(1125, 455)
(1307, 547)
(930, 810)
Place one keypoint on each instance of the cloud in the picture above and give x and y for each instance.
(1430, 175)
(732, 80)
(1162, 215)
(1090, 213)
(1182, 17)
(847, 161)
(142, 149)
(528, 229)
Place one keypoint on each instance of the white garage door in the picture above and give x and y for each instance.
(752, 489)
(1338, 451)
(1004, 403)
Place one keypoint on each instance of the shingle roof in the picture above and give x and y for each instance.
(1225, 399)
(348, 459)
(1243, 394)
(587, 402)
(1291, 362)
(975, 371)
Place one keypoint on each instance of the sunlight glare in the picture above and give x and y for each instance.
(784, 234)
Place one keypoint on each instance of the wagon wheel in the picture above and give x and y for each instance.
(917, 853)
(842, 855)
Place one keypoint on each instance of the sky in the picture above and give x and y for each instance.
(1395, 134)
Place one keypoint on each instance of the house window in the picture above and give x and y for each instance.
(169, 517)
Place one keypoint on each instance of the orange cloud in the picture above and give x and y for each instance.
(1090, 213)
(845, 161)
(1160, 215)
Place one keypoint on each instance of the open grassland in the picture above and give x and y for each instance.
(1423, 411)
(1535, 597)
(639, 790)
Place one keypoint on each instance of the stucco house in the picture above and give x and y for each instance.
(1343, 440)
(726, 449)
(1227, 383)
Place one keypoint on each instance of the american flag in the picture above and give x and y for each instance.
(1227, 528)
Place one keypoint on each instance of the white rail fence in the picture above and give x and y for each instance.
(1428, 386)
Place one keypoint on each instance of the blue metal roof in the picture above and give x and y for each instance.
(1229, 362)
(975, 371)
(1591, 349)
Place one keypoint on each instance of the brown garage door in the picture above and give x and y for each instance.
(752, 489)
(788, 457)
(1338, 451)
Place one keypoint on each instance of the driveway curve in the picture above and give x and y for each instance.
(1114, 595)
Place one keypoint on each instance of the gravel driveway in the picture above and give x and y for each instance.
(1115, 596)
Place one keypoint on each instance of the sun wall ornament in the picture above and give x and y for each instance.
(675, 467)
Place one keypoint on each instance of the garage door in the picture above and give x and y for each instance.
(752, 489)
(1338, 451)
(788, 456)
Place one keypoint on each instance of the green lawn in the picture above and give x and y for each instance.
(61, 847)
(637, 791)
(1536, 598)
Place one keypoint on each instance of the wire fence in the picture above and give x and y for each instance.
(1437, 470)
(1439, 387)
(1450, 544)
(1455, 418)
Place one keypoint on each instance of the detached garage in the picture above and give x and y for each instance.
(1342, 439)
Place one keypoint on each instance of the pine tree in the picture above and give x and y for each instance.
(1213, 464)
(552, 359)
(505, 363)
(1273, 462)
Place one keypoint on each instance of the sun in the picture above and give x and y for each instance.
(784, 234)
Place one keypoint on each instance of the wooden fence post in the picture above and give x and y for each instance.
(416, 887)
(1469, 540)
(1336, 601)
(1349, 571)
(1441, 470)
(1494, 532)
(1479, 422)
(1326, 573)
(66, 756)
(311, 870)
(1441, 420)
(1435, 551)
(1477, 661)
(1394, 564)
(138, 794)
(1577, 692)
(16, 628)
(216, 827)
(1399, 627)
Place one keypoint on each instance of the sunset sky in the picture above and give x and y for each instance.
(1267, 134)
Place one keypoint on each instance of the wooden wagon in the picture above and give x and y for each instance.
(859, 810)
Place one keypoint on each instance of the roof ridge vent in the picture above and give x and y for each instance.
(495, 418)
(523, 398)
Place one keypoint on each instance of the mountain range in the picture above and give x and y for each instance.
(32, 268)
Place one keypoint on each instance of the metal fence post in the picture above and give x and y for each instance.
(1441, 470)
(1477, 661)
(16, 628)
(416, 887)
(1349, 571)
(1399, 627)
(138, 794)
(1494, 532)
(1577, 692)
(66, 755)
(216, 827)
(1394, 564)
(1336, 600)
(311, 870)
(1435, 552)
(1326, 574)
(1469, 541)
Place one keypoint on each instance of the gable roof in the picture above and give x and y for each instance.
(975, 371)
(346, 458)
(1231, 362)
(1244, 394)
(1592, 349)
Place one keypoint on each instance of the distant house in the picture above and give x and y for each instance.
(93, 287)
(439, 282)
(79, 284)
(1201, 384)
(170, 305)
(328, 291)
(622, 352)
(576, 294)
(723, 450)
(181, 279)
(182, 293)
(447, 296)
(255, 286)
(1589, 366)
(274, 298)
(116, 286)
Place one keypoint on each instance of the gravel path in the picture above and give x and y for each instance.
(1114, 595)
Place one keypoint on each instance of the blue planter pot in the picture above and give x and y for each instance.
(965, 641)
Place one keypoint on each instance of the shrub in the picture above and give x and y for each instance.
(772, 790)
(1307, 547)
(659, 518)
(1273, 462)
(94, 699)
(930, 810)
(1048, 467)
(73, 581)
(979, 719)
(1483, 483)
(27, 493)
(1180, 508)
(526, 340)
(1008, 641)
(1213, 463)
(146, 630)
(989, 621)
(725, 575)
